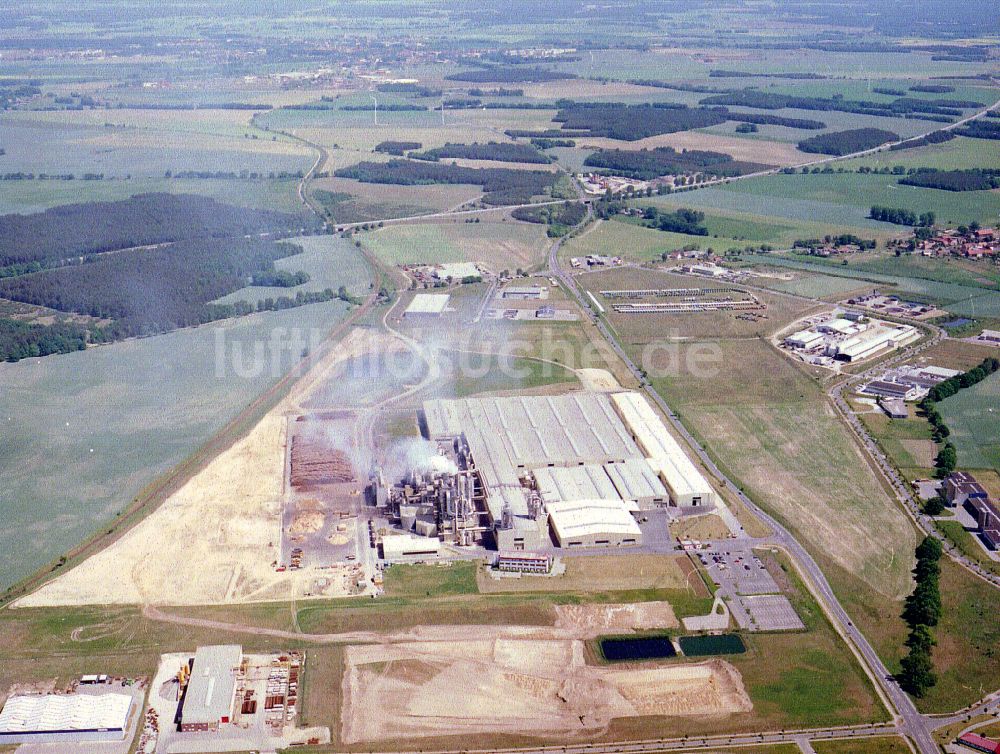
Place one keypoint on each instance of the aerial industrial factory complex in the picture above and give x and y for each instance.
(514, 469)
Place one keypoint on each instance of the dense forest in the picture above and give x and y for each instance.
(501, 152)
(505, 75)
(980, 129)
(20, 340)
(646, 164)
(954, 180)
(74, 231)
(560, 218)
(847, 142)
(683, 220)
(632, 122)
(934, 137)
(397, 148)
(151, 290)
(501, 185)
(915, 107)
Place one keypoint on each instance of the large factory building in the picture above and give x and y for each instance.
(211, 692)
(687, 486)
(580, 463)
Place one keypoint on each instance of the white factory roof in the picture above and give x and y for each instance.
(65, 713)
(805, 337)
(212, 687)
(632, 480)
(408, 545)
(587, 518)
(942, 372)
(842, 326)
(509, 436)
(873, 340)
(428, 303)
(662, 451)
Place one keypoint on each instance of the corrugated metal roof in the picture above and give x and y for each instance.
(54, 713)
(428, 303)
(662, 451)
(591, 518)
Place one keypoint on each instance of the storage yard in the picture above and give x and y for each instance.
(517, 686)
(683, 300)
(224, 700)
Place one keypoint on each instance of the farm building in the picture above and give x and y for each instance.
(593, 523)
(687, 486)
(427, 305)
(65, 718)
(804, 339)
(211, 692)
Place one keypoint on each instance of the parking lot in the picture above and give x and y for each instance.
(754, 597)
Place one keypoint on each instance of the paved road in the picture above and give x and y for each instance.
(910, 721)
(901, 488)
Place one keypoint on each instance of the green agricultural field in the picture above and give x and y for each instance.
(907, 442)
(330, 261)
(964, 272)
(811, 285)
(37, 196)
(86, 431)
(497, 245)
(961, 153)
(973, 416)
(957, 299)
(847, 197)
(768, 426)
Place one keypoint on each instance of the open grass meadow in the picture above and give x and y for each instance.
(869, 745)
(907, 442)
(953, 297)
(495, 244)
(84, 432)
(973, 416)
(847, 197)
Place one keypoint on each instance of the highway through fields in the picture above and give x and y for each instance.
(910, 721)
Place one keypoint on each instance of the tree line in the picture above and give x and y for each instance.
(975, 179)
(922, 611)
(847, 142)
(913, 107)
(646, 164)
(508, 75)
(501, 185)
(498, 151)
(947, 456)
(980, 129)
(560, 218)
(899, 216)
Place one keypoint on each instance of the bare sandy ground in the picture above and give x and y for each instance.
(598, 380)
(517, 686)
(589, 621)
(750, 150)
(213, 541)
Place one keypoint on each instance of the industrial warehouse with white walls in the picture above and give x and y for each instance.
(527, 473)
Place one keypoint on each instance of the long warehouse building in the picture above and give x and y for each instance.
(65, 718)
(687, 485)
